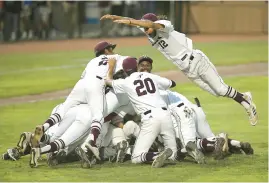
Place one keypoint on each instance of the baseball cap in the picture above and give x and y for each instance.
(150, 16)
(129, 64)
(145, 58)
(101, 46)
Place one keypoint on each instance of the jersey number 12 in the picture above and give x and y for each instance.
(143, 87)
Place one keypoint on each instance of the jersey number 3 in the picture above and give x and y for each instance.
(143, 87)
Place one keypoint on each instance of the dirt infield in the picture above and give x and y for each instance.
(88, 44)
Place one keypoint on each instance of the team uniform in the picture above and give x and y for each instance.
(189, 124)
(90, 88)
(77, 122)
(143, 92)
(189, 119)
(178, 48)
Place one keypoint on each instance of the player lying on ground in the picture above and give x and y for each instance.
(176, 47)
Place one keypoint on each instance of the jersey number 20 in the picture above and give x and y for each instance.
(143, 87)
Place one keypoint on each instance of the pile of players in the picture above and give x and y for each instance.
(120, 111)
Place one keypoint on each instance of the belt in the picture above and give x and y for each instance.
(180, 105)
(98, 77)
(149, 111)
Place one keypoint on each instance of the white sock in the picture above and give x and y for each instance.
(235, 143)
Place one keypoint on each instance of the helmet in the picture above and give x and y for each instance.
(150, 16)
(145, 58)
(101, 46)
(129, 65)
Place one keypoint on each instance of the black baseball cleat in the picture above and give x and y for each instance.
(94, 150)
(84, 159)
(218, 152)
(5, 156)
(160, 159)
(11, 154)
(52, 159)
(246, 147)
(194, 152)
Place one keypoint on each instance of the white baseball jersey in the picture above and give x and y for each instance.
(175, 46)
(174, 98)
(99, 66)
(143, 90)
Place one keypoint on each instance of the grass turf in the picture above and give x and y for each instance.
(26, 74)
(223, 115)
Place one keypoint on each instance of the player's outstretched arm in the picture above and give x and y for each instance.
(140, 23)
(111, 67)
(114, 17)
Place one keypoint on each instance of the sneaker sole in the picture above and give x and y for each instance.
(92, 149)
(252, 105)
(159, 161)
(85, 162)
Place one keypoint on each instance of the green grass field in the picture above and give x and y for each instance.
(223, 115)
(22, 74)
(26, 74)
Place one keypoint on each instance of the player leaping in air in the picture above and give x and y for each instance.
(178, 48)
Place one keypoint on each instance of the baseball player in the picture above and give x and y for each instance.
(178, 48)
(89, 89)
(143, 92)
(76, 127)
(182, 115)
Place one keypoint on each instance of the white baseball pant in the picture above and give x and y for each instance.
(203, 129)
(131, 129)
(89, 91)
(80, 127)
(157, 122)
(184, 123)
(205, 75)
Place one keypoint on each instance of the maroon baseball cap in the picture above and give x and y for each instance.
(150, 16)
(145, 58)
(101, 46)
(129, 64)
